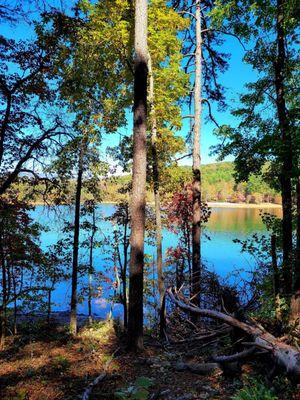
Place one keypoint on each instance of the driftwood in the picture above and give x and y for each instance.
(284, 355)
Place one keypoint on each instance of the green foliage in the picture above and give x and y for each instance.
(258, 136)
(218, 184)
(138, 391)
(254, 390)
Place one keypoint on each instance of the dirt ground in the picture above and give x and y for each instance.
(48, 364)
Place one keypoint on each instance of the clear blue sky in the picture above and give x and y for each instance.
(234, 79)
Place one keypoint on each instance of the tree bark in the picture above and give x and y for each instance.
(287, 152)
(73, 319)
(196, 234)
(138, 200)
(156, 187)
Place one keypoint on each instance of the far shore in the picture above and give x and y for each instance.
(242, 205)
(212, 204)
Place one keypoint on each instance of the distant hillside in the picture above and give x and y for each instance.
(217, 185)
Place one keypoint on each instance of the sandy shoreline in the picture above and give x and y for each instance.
(242, 205)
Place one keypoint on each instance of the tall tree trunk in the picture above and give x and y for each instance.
(4, 296)
(138, 201)
(91, 269)
(287, 152)
(158, 223)
(297, 262)
(295, 302)
(73, 319)
(196, 266)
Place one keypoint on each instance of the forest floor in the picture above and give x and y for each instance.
(47, 364)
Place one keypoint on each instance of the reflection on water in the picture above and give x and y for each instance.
(239, 220)
(219, 253)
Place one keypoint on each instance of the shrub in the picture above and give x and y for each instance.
(255, 390)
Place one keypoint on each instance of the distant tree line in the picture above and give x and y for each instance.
(218, 185)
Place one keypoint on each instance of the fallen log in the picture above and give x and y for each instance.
(284, 355)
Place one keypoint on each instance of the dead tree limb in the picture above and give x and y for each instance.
(236, 356)
(285, 355)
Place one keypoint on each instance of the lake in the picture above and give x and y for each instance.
(219, 253)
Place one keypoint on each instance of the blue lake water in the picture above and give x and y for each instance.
(220, 253)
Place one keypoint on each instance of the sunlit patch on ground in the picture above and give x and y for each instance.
(54, 366)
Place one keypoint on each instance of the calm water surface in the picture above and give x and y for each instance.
(219, 253)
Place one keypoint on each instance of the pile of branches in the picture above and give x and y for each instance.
(261, 341)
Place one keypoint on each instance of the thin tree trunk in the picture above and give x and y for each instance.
(124, 271)
(90, 295)
(276, 279)
(287, 152)
(138, 201)
(297, 263)
(5, 124)
(276, 282)
(49, 306)
(73, 319)
(125, 311)
(196, 241)
(4, 297)
(15, 326)
(295, 301)
(90, 299)
(158, 223)
(188, 239)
